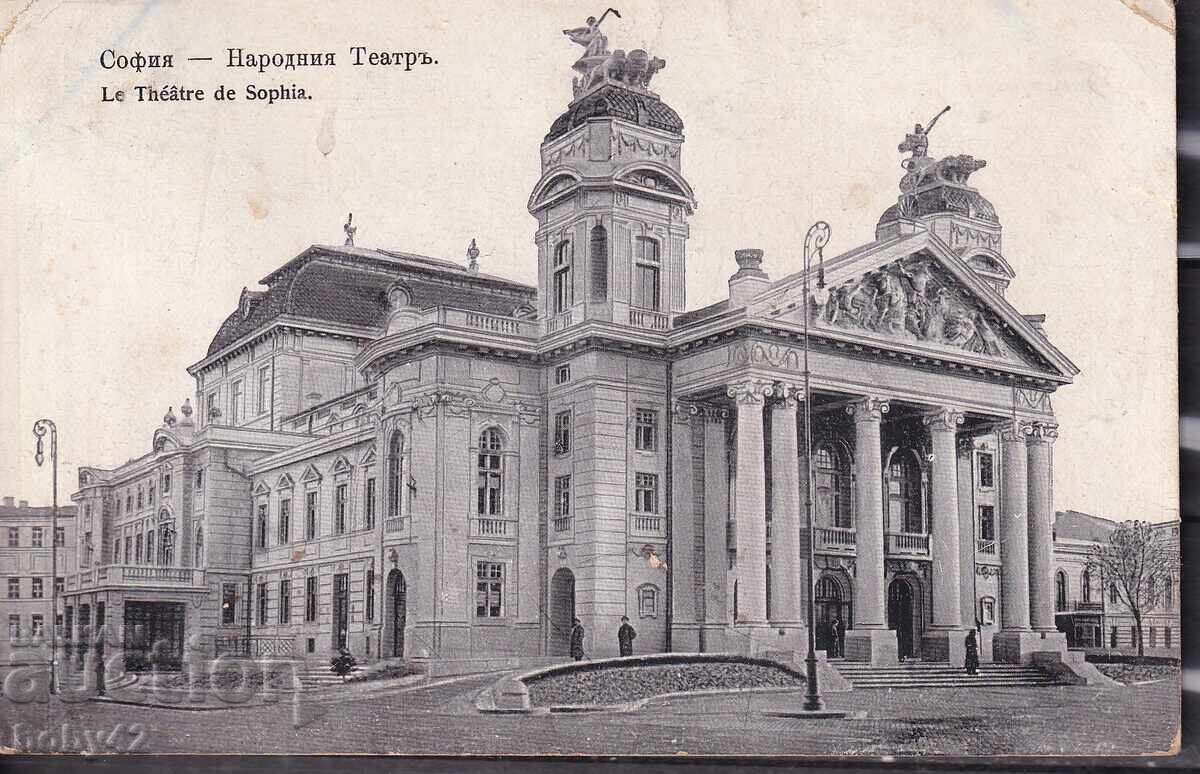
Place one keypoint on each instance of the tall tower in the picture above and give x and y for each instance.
(611, 204)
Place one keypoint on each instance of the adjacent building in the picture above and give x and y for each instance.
(408, 456)
(26, 533)
(1088, 607)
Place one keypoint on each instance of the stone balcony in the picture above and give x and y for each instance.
(647, 525)
(909, 544)
(135, 576)
(836, 539)
(493, 528)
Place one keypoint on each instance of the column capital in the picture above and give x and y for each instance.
(1014, 431)
(869, 408)
(750, 391)
(944, 419)
(713, 414)
(1043, 432)
(788, 394)
(683, 412)
(966, 444)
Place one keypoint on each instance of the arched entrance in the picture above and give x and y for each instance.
(901, 616)
(833, 616)
(397, 612)
(562, 612)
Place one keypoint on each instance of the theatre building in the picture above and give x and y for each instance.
(408, 456)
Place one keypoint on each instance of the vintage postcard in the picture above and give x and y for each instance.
(707, 378)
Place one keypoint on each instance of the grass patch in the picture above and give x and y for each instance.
(618, 684)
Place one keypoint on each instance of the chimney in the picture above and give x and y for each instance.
(24, 503)
(750, 279)
(8, 502)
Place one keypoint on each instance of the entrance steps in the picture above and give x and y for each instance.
(935, 674)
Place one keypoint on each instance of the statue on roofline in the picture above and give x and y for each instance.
(599, 65)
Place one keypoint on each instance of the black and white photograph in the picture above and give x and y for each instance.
(544, 379)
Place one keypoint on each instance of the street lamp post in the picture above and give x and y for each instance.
(40, 429)
(814, 243)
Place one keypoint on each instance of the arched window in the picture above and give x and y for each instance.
(832, 476)
(828, 590)
(563, 296)
(395, 474)
(598, 250)
(1060, 590)
(1085, 587)
(491, 473)
(646, 290)
(199, 547)
(905, 505)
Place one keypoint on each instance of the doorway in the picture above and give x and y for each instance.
(153, 635)
(833, 616)
(398, 612)
(900, 616)
(562, 612)
(341, 610)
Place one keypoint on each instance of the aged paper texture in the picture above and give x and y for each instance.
(428, 378)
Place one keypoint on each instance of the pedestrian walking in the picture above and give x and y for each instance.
(972, 660)
(625, 636)
(838, 631)
(577, 639)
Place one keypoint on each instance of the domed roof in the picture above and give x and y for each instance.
(610, 101)
(943, 199)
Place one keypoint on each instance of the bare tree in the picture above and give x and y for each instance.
(1138, 562)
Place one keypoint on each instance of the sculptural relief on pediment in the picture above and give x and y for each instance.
(915, 299)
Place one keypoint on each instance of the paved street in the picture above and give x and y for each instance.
(441, 718)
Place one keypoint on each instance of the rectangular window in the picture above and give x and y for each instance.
(488, 495)
(14, 588)
(285, 522)
(647, 602)
(1153, 636)
(646, 493)
(60, 536)
(1112, 637)
(645, 434)
(562, 374)
(369, 507)
(1133, 636)
(310, 515)
(646, 287)
(140, 498)
(564, 293)
(262, 526)
(370, 595)
(262, 604)
(166, 485)
(199, 479)
(987, 522)
(310, 598)
(987, 470)
(228, 603)
(38, 626)
(87, 549)
(235, 402)
(150, 492)
(128, 549)
(36, 537)
(14, 537)
(38, 590)
(14, 626)
(489, 590)
(339, 510)
(211, 411)
(129, 502)
(562, 496)
(1167, 637)
(562, 432)
(285, 601)
(264, 388)
(60, 585)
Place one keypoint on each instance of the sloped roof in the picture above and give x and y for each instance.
(1076, 525)
(348, 286)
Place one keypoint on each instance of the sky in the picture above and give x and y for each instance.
(128, 230)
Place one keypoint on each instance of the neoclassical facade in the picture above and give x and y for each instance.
(408, 456)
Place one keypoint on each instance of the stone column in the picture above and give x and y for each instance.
(685, 629)
(716, 524)
(966, 532)
(1011, 643)
(786, 517)
(869, 639)
(1041, 535)
(945, 639)
(750, 506)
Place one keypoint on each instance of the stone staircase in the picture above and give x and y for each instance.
(934, 674)
(318, 675)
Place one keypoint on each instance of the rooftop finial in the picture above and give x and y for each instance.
(169, 417)
(350, 228)
(473, 258)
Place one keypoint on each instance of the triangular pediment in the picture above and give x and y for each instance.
(916, 294)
